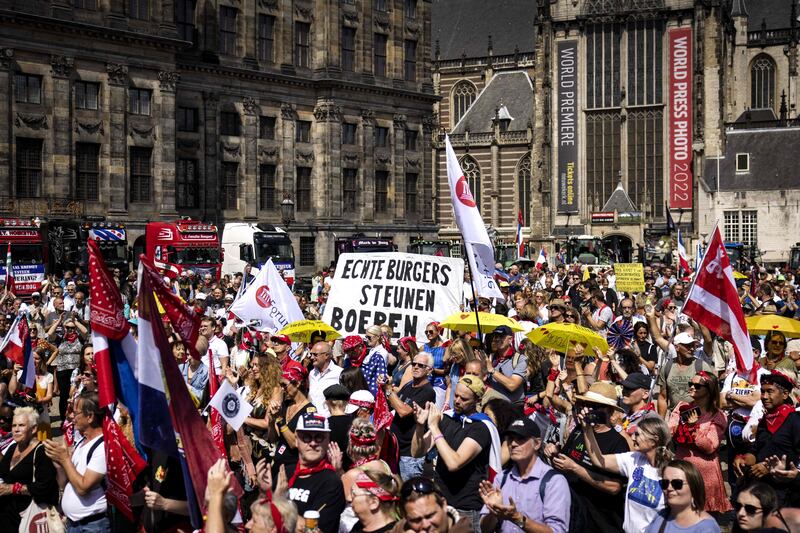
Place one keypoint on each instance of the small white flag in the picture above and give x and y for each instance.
(269, 300)
(231, 405)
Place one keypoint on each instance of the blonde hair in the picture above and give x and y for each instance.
(362, 429)
(285, 507)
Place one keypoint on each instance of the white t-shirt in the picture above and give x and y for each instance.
(643, 497)
(79, 507)
(219, 349)
(317, 383)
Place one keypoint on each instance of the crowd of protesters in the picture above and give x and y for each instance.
(489, 432)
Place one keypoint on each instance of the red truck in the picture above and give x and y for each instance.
(185, 245)
(28, 254)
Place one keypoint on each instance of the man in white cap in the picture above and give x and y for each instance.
(315, 485)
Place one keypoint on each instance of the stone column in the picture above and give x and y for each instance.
(166, 25)
(367, 188)
(61, 133)
(429, 169)
(397, 201)
(116, 14)
(211, 193)
(6, 64)
(249, 197)
(288, 118)
(495, 191)
(327, 174)
(165, 173)
(117, 186)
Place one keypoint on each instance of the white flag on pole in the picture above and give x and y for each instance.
(480, 252)
(231, 405)
(269, 300)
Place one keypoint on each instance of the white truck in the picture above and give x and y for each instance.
(256, 243)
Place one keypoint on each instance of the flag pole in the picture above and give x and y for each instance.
(474, 292)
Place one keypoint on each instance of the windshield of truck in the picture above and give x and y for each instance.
(195, 256)
(438, 250)
(26, 254)
(276, 248)
(113, 251)
(795, 260)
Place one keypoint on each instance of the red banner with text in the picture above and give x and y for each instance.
(680, 118)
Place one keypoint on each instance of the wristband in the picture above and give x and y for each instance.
(16, 488)
(283, 429)
(437, 437)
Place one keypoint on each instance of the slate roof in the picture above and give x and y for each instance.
(757, 115)
(773, 161)
(619, 201)
(776, 13)
(513, 90)
(464, 26)
(738, 8)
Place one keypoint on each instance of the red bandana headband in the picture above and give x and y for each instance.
(363, 441)
(363, 481)
(362, 403)
(277, 519)
(404, 342)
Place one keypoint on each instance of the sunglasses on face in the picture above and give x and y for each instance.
(316, 437)
(430, 332)
(677, 484)
(693, 385)
(419, 365)
(420, 485)
(748, 509)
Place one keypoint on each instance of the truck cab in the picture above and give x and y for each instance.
(67, 239)
(185, 244)
(245, 242)
(439, 248)
(360, 243)
(28, 254)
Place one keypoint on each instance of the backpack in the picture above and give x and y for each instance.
(577, 518)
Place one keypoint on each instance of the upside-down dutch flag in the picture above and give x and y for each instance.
(115, 356)
(520, 241)
(162, 389)
(9, 271)
(713, 301)
(683, 259)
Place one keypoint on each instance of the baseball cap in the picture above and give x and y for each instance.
(683, 338)
(281, 338)
(336, 392)
(313, 422)
(36, 295)
(200, 296)
(636, 380)
(503, 330)
(229, 297)
(524, 427)
(474, 384)
(601, 392)
(359, 399)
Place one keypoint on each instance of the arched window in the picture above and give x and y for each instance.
(524, 188)
(464, 94)
(472, 172)
(762, 83)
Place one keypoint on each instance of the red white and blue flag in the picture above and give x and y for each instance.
(713, 301)
(541, 261)
(16, 346)
(9, 271)
(520, 241)
(683, 259)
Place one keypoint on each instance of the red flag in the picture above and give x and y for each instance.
(713, 301)
(217, 430)
(183, 319)
(382, 416)
(123, 464)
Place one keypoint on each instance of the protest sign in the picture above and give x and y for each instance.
(405, 291)
(630, 277)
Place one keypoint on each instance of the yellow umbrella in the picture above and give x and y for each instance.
(561, 337)
(739, 275)
(764, 324)
(489, 321)
(301, 330)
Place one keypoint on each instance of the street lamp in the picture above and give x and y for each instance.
(287, 210)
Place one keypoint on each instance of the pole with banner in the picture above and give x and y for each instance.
(480, 252)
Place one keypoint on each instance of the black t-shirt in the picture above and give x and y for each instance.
(321, 492)
(461, 487)
(340, 434)
(648, 351)
(604, 511)
(785, 441)
(403, 427)
(285, 454)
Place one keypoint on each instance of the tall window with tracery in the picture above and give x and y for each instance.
(464, 94)
(762, 83)
(524, 188)
(472, 171)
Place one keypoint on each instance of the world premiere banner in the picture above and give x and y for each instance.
(406, 291)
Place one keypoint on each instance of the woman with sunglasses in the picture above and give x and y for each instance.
(775, 356)
(757, 509)
(406, 350)
(642, 467)
(685, 496)
(435, 346)
(698, 428)
(284, 416)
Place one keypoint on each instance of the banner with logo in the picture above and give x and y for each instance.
(406, 291)
(269, 300)
(680, 118)
(567, 127)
